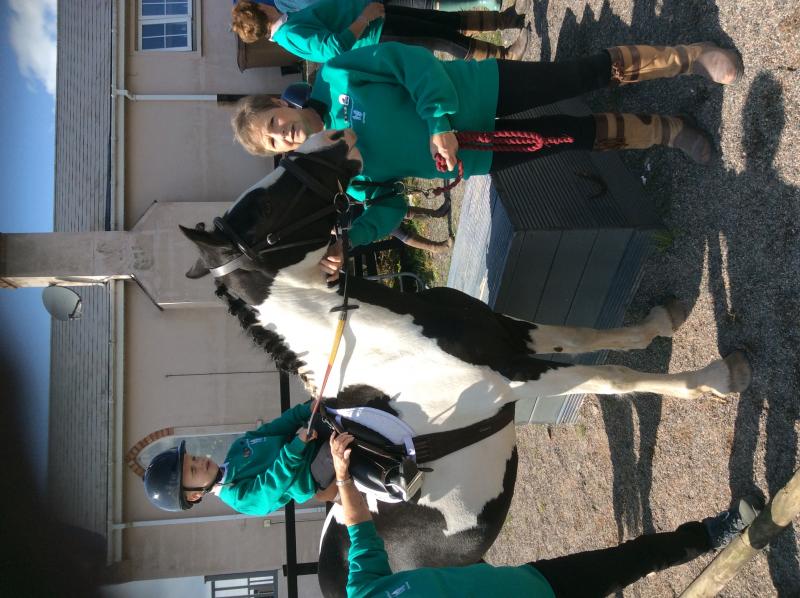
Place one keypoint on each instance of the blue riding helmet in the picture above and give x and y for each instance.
(163, 480)
(297, 94)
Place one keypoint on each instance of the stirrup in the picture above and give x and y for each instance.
(410, 478)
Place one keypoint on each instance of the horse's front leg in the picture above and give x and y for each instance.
(721, 377)
(662, 320)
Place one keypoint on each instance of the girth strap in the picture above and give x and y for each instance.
(434, 446)
(428, 447)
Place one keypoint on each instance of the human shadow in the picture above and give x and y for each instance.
(668, 175)
(760, 310)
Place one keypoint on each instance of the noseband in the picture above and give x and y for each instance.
(339, 203)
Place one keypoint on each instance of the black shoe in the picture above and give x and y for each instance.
(727, 525)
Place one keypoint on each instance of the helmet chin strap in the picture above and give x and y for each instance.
(204, 489)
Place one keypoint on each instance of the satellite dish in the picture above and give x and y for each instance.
(62, 303)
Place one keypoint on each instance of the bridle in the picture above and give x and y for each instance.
(339, 203)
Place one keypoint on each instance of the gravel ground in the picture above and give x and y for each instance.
(647, 463)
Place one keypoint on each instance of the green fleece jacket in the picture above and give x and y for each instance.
(269, 466)
(371, 577)
(395, 97)
(322, 30)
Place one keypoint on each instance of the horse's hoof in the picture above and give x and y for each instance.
(739, 371)
(677, 313)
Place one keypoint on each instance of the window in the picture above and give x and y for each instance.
(165, 25)
(257, 584)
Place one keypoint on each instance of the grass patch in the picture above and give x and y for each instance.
(407, 259)
(663, 239)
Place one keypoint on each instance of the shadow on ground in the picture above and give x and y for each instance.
(743, 225)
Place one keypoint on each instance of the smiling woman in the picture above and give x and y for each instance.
(263, 122)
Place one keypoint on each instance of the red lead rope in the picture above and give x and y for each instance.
(496, 141)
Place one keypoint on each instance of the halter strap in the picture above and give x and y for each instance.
(252, 253)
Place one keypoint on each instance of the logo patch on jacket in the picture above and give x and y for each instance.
(397, 591)
(358, 115)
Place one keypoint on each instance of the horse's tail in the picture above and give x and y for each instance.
(272, 342)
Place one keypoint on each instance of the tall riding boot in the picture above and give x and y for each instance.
(639, 131)
(481, 50)
(630, 64)
(475, 21)
(458, 5)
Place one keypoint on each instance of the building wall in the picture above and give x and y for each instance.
(184, 150)
(193, 367)
(210, 68)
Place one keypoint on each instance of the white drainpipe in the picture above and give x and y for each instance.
(268, 519)
(154, 97)
(116, 291)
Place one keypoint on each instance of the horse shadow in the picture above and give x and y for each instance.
(727, 216)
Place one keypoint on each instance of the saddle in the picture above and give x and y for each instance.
(380, 467)
(388, 467)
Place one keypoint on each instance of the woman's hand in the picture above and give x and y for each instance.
(332, 261)
(341, 454)
(445, 144)
(372, 11)
(305, 436)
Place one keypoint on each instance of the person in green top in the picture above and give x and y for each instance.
(328, 28)
(405, 106)
(263, 470)
(586, 574)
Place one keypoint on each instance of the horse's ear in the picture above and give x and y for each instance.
(197, 271)
(209, 244)
(197, 235)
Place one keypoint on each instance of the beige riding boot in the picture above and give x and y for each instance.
(481, 50)
(630, 64)
(475, 21)
(615, 131)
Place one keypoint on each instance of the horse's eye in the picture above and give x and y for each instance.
(337, 135)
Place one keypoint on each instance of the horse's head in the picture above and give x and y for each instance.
(281, 220)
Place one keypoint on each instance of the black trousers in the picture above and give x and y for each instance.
(526, 85)
(432, 29)
(598, 573)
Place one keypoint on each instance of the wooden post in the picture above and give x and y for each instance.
(777, 515)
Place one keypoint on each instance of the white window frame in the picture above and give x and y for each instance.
(150, 20)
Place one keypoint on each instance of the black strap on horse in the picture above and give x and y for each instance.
(384, 467)
(272, 241)
(428, 447)
(436, 445)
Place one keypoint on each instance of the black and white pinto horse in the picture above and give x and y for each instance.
(439, 359)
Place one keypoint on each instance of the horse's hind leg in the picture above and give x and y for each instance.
(662, 320)
(721, 377)
(420, 212)
(417, 241)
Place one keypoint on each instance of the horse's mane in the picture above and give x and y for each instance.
(272, 342)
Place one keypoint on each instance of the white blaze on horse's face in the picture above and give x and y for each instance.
(323, 139)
